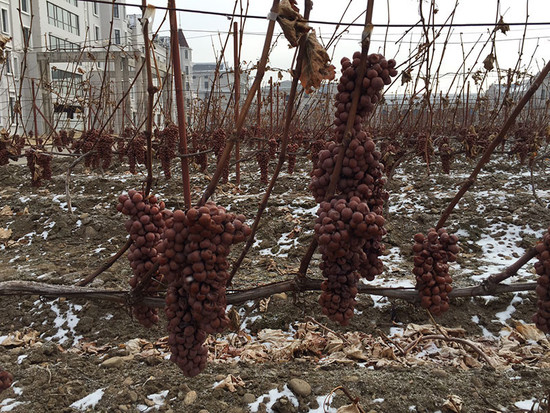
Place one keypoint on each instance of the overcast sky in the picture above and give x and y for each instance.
(204, 32)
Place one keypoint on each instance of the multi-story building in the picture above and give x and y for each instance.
(75, 64)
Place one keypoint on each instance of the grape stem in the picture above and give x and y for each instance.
(495, 142)
(106, 265)
(356, 94)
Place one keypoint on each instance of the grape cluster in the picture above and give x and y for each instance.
(445, 155)
(167, 148)
(262, 157)
(218, 141)
(542, 268)
(145, 226)
(194, 264)
(87, 143)
(469, 139)
(316, 146)
(292, 151)
(66, 137)
(350, 225)
(135, 150)
(39, 164)
(4, 152)
(201, 159)
(273, 145)
(378, 73)
(361, 175)
(57, 141)
(424, 147)
(6, 379)
(349, 236)
(104, 150)
(433, 252)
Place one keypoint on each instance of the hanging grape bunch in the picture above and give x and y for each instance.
(39, 164)
(198, 145)
(87, 143)
(193, 261)
(350, 225)
(292, 151)
(542, 268)
(167, 147)
(273, 145)
(379, 73)
(145, 226)
(432, 254)
(445, 155)
(262, 157)
(218, 143)
(104, 150)
(6, 379)
(424, 148)
(135, 150)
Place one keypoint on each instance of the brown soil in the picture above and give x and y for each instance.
(47, 244)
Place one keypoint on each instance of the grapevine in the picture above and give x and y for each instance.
(167, 147)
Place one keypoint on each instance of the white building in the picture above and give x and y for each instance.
(67, 61)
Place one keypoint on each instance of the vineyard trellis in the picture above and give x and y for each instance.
(179, 257)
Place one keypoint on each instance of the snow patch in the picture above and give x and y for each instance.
(88, 402)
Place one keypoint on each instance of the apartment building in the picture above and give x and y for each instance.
(77, 60)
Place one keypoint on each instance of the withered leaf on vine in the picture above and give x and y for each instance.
(488, 62)
(292, 22)
(406, 76)
(503, 27)
(315, 64)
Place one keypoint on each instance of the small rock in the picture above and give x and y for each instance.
(442, 374)
(128, 381)
(249, 398)
(50, 349)
(122, 408)
(219, 377)
(236, 410)
(149, 402)
(190, 398)
(90, 232)
(132, 395)
(203, 411)
(84, 215)
(115, 361)
(300, 387)
(279, 297)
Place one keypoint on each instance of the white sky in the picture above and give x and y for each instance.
(202, 31)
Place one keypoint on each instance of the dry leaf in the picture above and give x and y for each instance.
(292, 23)
(19, 338)
(230, 383)
(349, 408)
(6, 211)
(530, 332)
(488, 62)
(5, 234)
(453, 404)
(315, 65)
(503, 27)
(133, 346)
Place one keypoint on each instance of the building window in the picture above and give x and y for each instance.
(64, 19)
(16, 67)
(95, 8)
(186, 54)
(57, 43)
(73, 2)
(96, 29)
(187, 70)
(25, 6)
(12, 108)
(206, 84)
(187, 87)
(117, 36)
(8, 63)
(26, 36)
(116, 12)
(5, 26)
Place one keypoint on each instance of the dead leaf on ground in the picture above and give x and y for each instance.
(453, 404)
(5, 234)
(19, 338)
(348, 408)
(230, 383)
(6, 211)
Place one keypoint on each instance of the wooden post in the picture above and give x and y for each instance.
(237, 88)
(34, 109)
(182, 127)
